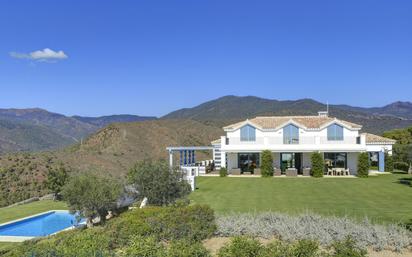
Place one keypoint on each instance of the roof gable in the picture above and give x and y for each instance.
(304, 122)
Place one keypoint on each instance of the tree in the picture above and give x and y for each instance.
(92, 196)
(158, 182)
(317, 164)
(266, 166)
(388, 162)
(56, 178)
(363, 165)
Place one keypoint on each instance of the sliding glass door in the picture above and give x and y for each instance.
(247, 162)
(336, 160)
(290, 160)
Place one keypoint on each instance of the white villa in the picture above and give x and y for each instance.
(292, 139)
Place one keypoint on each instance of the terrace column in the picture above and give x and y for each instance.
(381, 161)
(223, 159)
(170, 158)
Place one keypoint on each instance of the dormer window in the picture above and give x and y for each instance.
(291, 134)
(335, 132)
(247, 133)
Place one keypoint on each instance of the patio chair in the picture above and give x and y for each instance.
(330, 172)
(338, 172)
(346, 172)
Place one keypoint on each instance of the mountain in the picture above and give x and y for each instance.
(37, 129)
(103, 121)
(20, 136)
(111, 151)
(229, 109)
(396, 109)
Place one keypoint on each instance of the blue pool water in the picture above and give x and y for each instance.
(41, 225)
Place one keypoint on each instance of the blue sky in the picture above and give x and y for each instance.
(152, 57)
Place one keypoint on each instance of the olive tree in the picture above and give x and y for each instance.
(91, 195)
(158, 182)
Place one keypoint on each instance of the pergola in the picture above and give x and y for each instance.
(187, 154)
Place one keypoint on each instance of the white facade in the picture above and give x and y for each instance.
(312, 136)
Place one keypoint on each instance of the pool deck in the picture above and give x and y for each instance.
(17, 239)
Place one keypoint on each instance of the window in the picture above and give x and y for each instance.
(374, 160)
(335, 160)
(247, 162)
(290, 134)
(335, 132)
(247, 133)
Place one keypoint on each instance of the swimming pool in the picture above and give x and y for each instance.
(40, 225)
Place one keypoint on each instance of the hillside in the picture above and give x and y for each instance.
(22, 136)
(112, 151)
(229, 109)
(396, 109)
(103, 121)
(37, 129)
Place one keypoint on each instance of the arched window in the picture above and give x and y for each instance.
(290, 134)
(335, 132)
(247, 133)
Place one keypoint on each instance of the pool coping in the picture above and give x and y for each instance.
(17, 239)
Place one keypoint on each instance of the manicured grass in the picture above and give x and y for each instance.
(21, 211)
(381, 198)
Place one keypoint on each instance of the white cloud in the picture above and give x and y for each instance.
(41, 55)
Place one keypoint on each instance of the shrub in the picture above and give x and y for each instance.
(56, 179)
(91, 195)
(140, 246)
(388, 163)
(266, 166)
(323, 229)
(317, 164)
(193, 223)
(90, 242)
(157, 182)
(363, 165)
(401, 166)
(301, 248)
(347, 248)
(240, 246)
(185, 248)
(223, 172)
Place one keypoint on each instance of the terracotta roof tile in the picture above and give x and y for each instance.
(310, 122)
(375, 139)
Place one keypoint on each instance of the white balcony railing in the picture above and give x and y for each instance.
(280, 141)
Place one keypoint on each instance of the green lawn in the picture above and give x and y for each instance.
(381, 198)
(21, 211)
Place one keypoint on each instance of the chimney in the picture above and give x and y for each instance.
(323, 114)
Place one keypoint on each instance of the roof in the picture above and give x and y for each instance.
(308, 122)
(216, 142)
(375, 139)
